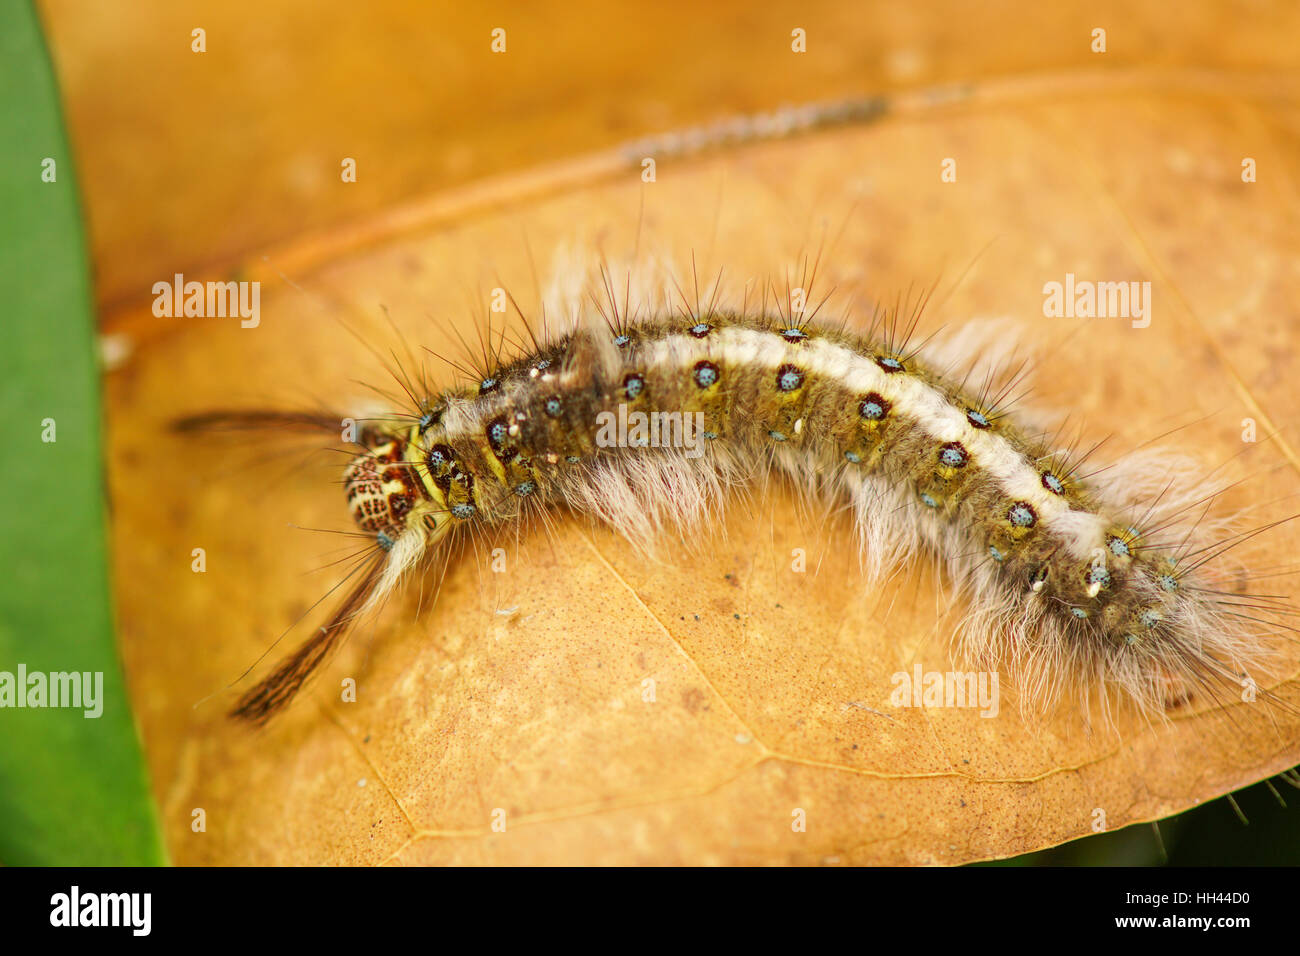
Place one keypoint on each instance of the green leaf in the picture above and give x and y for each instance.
(73, 789)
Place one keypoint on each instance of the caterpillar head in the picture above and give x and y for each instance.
(381, 492)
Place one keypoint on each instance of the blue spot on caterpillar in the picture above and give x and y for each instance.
(873, 407)
(1021, 515)
(953, 455)
(705, 374)
(789, 378)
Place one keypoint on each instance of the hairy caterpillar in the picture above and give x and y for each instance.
(1086, 580)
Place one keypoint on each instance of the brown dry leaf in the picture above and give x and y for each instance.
(522, 693)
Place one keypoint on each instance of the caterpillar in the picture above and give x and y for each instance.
(1078, 578)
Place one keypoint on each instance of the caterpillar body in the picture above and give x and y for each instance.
(1089, 581)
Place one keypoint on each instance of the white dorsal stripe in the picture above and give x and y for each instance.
(929, 407)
